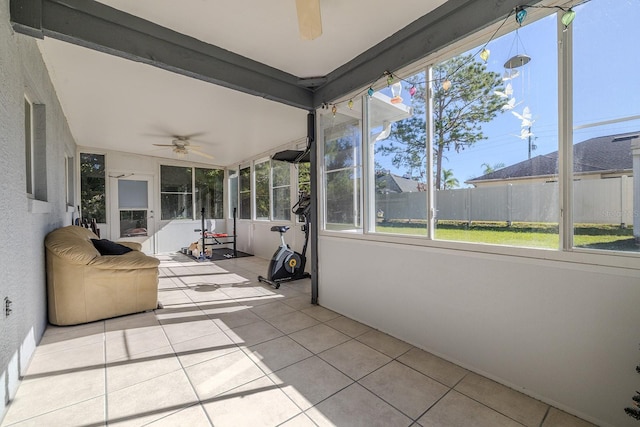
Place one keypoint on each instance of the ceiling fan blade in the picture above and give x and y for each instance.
(164, 145)
(200, 153)
(309, 20)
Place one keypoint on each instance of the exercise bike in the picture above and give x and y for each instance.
(287, 265)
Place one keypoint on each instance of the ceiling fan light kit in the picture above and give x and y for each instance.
(309, 20)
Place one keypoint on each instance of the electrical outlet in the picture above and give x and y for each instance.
(7, 306)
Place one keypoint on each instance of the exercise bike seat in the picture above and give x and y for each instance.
(280, 228)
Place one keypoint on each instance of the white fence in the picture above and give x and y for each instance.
(596, 201)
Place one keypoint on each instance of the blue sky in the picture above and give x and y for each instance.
(606, 85)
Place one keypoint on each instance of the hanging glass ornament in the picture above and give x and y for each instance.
(484, 54)
(389, 80)
(396, 90)
(334, 110)
(446, 85)
(521, 14)
(568, 17)
(412, 90)
(370, 91)
(350, 104)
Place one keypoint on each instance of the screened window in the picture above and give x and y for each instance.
(281, 190)
(245, 193)
(92, 187)
(233, 193)
(398, 151)
(606, 139)
(176, 196)
(262, 189)
(69, 175)
(209, 192)
(342, 171)
(304, 177)
(495, 141)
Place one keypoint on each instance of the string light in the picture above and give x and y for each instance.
(520, 13)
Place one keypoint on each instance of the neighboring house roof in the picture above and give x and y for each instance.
(395, 184)
(596, 155)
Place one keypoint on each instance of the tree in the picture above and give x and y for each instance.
(458, 113)
(488, 168)
(448, 180)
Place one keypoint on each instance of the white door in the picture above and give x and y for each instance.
(132, 213)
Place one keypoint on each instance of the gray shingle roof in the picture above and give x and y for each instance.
(397, 184)
(602, 154)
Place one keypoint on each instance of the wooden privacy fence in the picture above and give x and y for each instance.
(596, 201)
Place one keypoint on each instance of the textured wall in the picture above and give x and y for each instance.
(24, 223)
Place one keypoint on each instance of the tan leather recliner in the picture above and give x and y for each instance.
(83, 286)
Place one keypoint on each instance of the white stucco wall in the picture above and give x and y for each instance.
(24, 223)
(563, 332)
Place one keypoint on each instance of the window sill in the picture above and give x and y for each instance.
(38, 206)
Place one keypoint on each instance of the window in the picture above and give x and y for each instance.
(342, 171)
(176, 197)
(304, 181)
(245, 193)
(69, 179)
(398, 151)
(28, 145)
(35, 150)
(209, 192)
(92, 187)
(281, 190)
(233, 193)
(606, 139)
(185, 191)
(262, 189)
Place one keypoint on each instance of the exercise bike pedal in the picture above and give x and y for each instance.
(271, 283)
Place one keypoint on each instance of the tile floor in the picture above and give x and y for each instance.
(228, 351)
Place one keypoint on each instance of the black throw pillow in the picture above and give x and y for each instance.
(107, 247)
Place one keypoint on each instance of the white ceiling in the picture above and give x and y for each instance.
(116, 104)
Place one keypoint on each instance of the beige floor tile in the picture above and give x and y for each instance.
(355, 359)
(384, 343)
(124, 343)
(310, 381)
(439, 369)
(272, 309)
(259, 403)
(132, 323)
(509, 402)
(276, 354)
(253, 334)
(298, 301)
(56, 338)
(340, 410)
(180, 330)
(320, 313)
(39, 396)
(456, 410)
(142, 367)
(88, 413)
(406, 389)
(86, 357)
(222, 374)
(245, 292)
(241, 316)
(348, 326)
(204, 348)
(193, 416)
(319, 338)
(150, 400)
(301, 420)
(172, 297)
(558, 418)
(292, 322)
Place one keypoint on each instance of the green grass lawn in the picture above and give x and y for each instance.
(527, 235)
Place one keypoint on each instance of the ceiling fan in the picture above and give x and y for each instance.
(182, 146)
(309, 20)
